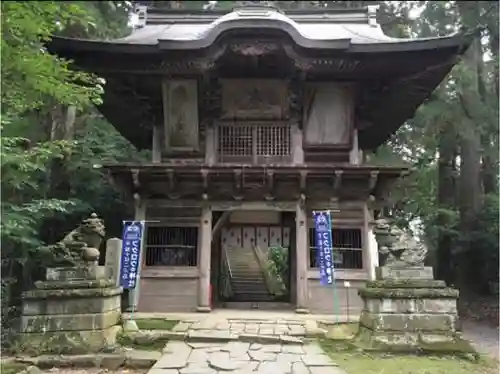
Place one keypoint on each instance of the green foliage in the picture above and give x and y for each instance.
(278, 265)
(30, 75)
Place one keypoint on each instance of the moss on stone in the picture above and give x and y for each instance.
(74, 284)
(153, 345)
(406, 283)
(156, 324)
(408, 293)
(442, 344)
(72, 293)
(67, 342)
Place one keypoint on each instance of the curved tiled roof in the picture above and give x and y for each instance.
(323, 31)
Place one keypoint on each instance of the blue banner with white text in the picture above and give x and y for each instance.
(323, 241)
(131, 253)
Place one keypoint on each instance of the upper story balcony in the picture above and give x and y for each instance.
(254, 142)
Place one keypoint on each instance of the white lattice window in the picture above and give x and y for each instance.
(254, 142)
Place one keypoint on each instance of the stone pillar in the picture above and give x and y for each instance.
(205, 250)
(113, 259)
(301, 253)
(370, 246)
(140, 215)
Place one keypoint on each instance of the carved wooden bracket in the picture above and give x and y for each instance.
(172, 183)
(372, 182)
(238, 185)
(337, 182)
(204, 178)
(269, 185)
(303, 181)
(135, 179)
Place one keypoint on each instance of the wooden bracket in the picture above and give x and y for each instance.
(171, 185)
(303, 181)
(238, 184)
(337, 182)
(220, 223)
(135, 179)
(204, 177)
(373, 180)
(269, 185)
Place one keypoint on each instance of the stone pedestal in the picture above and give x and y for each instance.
(76, 310)
(406, 310)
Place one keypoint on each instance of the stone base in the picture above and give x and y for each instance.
(302, 311)
(406, 310)
(76, 310)
(413, 342)
(68, 342)
(396, 273)
(203, 309)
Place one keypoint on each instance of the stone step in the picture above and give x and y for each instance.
(251, 297)
(264, 305)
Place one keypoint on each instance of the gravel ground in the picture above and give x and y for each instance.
(483, 335)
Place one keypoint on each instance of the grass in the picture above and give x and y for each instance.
(156, 324)
(156, 345)
(11, 367)
(359, 362)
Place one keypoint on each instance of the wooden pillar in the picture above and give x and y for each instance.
(156, 146)
(370, 247)
(139, 215)
(205, 250)
(301, 253)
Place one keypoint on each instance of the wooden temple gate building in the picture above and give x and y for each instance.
(255, 118)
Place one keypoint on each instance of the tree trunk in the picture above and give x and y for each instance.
(470, 138)
(446, 201)
(63, 128)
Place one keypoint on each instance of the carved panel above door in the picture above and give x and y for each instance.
(254, 99)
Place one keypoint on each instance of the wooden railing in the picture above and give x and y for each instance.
(253, 142)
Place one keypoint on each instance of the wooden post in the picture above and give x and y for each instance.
(156, 148)
(140, 215)
(370, 248)
(205, 250)
(301, 249)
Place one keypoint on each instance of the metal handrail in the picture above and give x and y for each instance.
(228, 264)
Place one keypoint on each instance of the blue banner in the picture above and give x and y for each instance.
(131, 253)
(324, 251)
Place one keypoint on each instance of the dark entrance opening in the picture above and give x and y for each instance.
(253, 264)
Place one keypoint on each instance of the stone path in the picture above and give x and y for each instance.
(238, 357)
(252, 327)
(483, 336)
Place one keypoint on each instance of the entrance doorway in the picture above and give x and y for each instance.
(255, 265)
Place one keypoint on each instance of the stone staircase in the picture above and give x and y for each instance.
(247, 281)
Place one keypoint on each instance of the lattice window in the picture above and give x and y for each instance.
(171, 246)
(254, 142)
(347, 248)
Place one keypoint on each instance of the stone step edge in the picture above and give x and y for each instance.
(202, 337)
(132, 359)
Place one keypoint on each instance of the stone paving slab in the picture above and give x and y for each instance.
(237, 357)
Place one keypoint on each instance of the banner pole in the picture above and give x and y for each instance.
(336, 302)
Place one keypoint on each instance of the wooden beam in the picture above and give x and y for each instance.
(220, 222)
